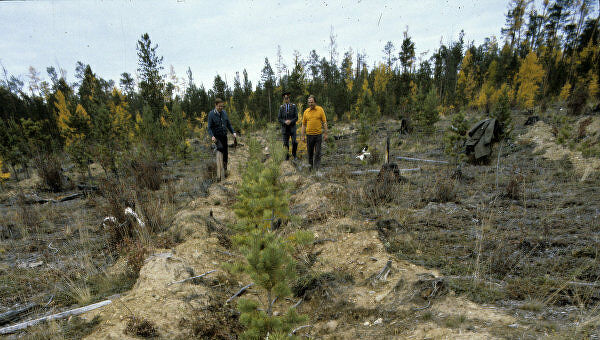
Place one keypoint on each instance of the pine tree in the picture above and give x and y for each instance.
(268, 257)
(456, 135)
(429, 114)
(366, 110)
(502, 111)
(152, 82)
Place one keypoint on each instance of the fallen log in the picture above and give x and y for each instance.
(70, 197)
(240, 292)
(421, 160)
(76, 311)
(376, 171)
(297, 329)
(193, 277)
(11, 315)
(583, 284)
(323, 240)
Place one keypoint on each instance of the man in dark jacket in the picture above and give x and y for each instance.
(218, 124)
(288, 116)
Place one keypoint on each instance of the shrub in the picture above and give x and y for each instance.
(147, 173)
(50, 171)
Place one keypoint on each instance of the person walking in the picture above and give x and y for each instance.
(314, 131)
(218, 124)
(288, 116)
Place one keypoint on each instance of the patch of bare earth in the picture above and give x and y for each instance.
(541, 134)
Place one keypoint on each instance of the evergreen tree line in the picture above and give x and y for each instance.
(549, 52)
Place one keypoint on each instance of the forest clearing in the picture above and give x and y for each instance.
(454, 194)
(469, 255)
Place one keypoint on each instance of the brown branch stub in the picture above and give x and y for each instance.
(191, 278)
(240, 292)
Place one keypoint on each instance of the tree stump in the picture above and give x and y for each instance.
(390, 173)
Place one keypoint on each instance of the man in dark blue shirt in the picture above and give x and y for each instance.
(218, 124)
(288, 116)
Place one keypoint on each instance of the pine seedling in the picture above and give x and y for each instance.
(267, 257)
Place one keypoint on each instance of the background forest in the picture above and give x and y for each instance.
(547, 54)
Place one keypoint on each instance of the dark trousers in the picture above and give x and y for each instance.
(287, 134)
(223, 141)
(313, 146)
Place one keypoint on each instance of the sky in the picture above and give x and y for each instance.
(225, 37)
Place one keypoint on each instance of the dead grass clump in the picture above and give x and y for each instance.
(137, 326)
(537, 288)
(50, 171)
(317, 283)
(154, 211)
(500, 255)
(582, 130)
(147, 173)
(513, 188)
(382, 191)
(136, 253)
(72, 328)
(27, 215)
(442, 191)
(477, 290)
(213, 322)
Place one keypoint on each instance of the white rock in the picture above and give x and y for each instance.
(378, 321)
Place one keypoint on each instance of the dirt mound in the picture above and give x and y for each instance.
(312, 202)
(541, 134)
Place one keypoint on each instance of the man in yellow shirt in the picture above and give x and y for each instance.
(312, 120)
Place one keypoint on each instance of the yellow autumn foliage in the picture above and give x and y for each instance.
(565, 91)
(120, 117)
(528, 80)
(466, 79)
(383, 74)
(592, 81)
(3, 175)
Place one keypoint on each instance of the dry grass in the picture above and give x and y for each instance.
(137, 326)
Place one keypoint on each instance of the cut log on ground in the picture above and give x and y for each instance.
(76, 311)
(70, 197)
(421, 160)
(376, 171)
(11, 315)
